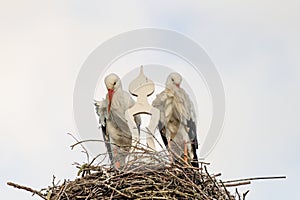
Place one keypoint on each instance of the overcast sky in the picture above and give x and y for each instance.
(254, 45)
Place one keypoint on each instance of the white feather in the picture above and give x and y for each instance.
(116, 124)
(176, 111)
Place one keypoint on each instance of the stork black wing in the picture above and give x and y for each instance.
(192, 132)
(106, 140)
(162, 131)
(193, 138)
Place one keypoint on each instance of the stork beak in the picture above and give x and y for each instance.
(110, 96)
(177, 85)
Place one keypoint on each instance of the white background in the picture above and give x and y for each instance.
(254, 45)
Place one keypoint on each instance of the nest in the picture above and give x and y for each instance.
(176, 182)
(147, 175)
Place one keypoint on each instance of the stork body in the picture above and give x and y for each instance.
(111, 111)
(177, 123)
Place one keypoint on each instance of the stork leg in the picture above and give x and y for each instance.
(117, 162)
(170, 152)
(185, 152)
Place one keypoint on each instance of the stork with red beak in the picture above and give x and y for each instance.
(111, 112)
(177, 123)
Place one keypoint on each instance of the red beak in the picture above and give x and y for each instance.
(110, 96)
(177, 85)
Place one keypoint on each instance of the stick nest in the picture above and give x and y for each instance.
(146, 175)
(141, 180)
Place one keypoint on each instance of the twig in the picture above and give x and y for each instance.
(26, 189)
(256, 178)
(244, 195)
(237, 184)
(227, 193)
(84, 149)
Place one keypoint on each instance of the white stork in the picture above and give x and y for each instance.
(111, 112)
(177, 123)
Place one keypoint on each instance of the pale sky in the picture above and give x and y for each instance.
(254, 45)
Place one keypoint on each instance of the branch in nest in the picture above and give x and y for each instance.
(21, 187)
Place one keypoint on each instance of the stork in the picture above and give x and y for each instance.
(111, 112)
(177, 122)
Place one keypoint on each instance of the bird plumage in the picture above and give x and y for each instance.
(111, 112)
(177, 123)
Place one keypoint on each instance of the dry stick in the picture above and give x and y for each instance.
(216, 175)
(84, 149)
(149, 132)
(152, 198)
(255, 178)
(183, 194)
(66, 195)
(100, 154)
(88, 197)
(153, 152)
(27, 189)
(61, 190)
(192, 184)
(112, 194)
(237, 184)
(114, 189)
(105, 156)
(82, 141)
(236, 191)
(188, 177)
(244, 195)
(210, 177)
(204, 163)
(53, 180)
(227, 193)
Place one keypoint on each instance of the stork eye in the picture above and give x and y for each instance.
(115, 83)
(172, 79)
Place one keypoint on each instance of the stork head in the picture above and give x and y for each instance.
(113, 83)
(174, 79)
